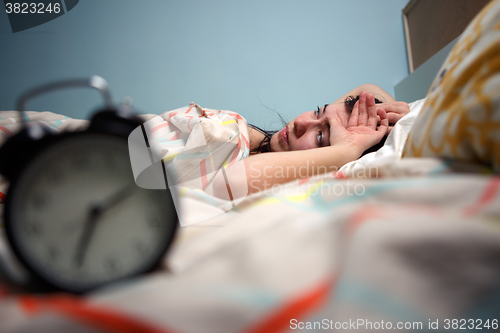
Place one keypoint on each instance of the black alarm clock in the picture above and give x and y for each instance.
(74, 216)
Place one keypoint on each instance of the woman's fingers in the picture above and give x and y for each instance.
(363, 112)
(393, 117)
(395, 111)
(373, 118)
(384, 121)
(400, 108)
(353, 119)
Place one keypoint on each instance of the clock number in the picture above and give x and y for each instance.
(33, 228)
(140, 248)
(111, 265)
(154, 222)
(81, 163)
(110, 162)
(53, 253)
(55, 177)
(39, 201)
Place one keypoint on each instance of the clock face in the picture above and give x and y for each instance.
(77, 219)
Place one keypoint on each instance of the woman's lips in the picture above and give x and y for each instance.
(284, 134)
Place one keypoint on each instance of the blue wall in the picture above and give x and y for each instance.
(245, 56)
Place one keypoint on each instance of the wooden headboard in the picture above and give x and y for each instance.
(431, 29)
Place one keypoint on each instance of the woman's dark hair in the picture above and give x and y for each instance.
(265, 144)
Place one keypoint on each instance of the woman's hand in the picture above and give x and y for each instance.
(395, 111)
(363, 129)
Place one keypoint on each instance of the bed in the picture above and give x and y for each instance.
(385, 243)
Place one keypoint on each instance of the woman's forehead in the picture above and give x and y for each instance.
(334, 107)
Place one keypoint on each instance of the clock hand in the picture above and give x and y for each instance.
(117, 197)
(83, 243)
(110, 201)
(94, 215)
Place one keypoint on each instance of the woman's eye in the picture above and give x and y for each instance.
(316, 113)
(319, 138)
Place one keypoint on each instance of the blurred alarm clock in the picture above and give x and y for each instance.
(74, 216)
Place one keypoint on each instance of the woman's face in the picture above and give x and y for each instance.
(310, 129)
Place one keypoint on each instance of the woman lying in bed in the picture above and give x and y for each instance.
(317, 141)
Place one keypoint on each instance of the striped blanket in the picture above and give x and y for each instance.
(419, 245)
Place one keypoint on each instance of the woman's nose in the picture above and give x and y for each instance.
(302, 125)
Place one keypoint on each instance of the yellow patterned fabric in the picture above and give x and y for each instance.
(461, 117)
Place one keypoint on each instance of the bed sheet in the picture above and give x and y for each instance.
(418, 244)
(405, 242)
